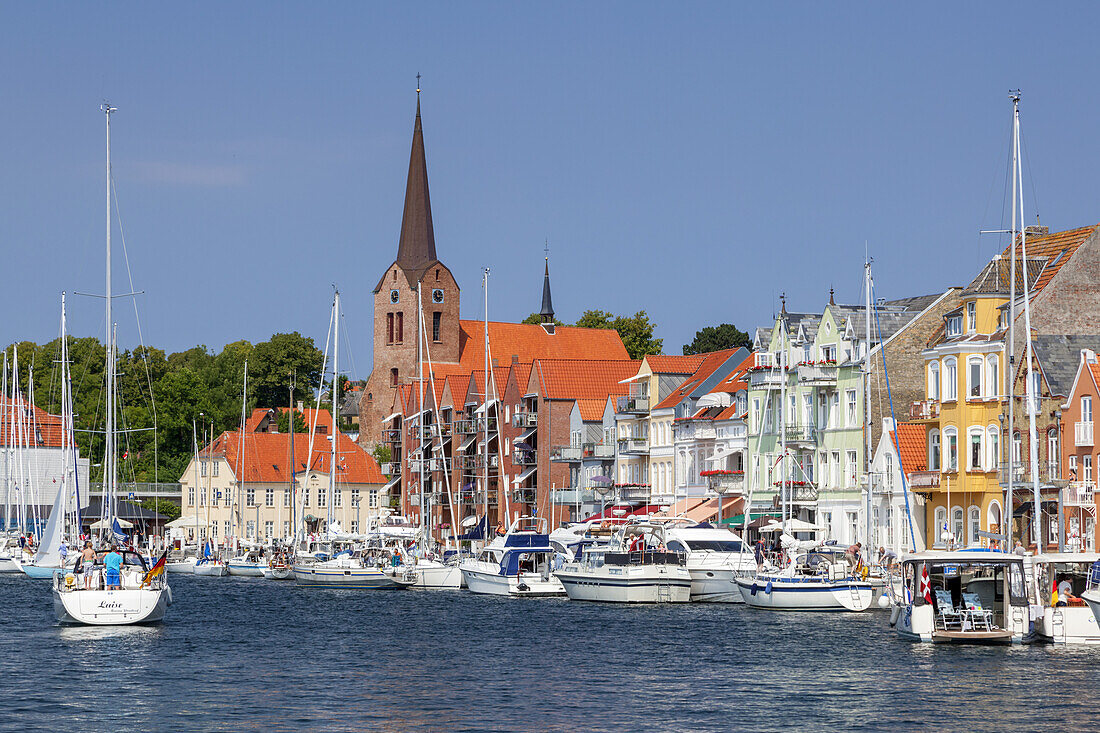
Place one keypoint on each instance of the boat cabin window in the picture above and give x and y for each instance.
(711, 546)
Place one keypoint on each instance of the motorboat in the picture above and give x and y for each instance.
(716, 558)
(278, 570)
(1061, 581)
(249, 564)
(521, 563)
(435, 574)
(634, 567)
(963, 597)
(348, 570)
(9, 555)
(182, 565)
(814, 579)
(138, 600)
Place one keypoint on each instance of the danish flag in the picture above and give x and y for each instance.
(925, 584)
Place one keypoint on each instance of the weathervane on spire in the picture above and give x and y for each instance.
(546, 249)
(418, 84)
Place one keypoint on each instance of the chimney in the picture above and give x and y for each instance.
(1088, 356)
(1036, 231)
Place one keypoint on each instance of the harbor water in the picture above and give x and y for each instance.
(239, 654)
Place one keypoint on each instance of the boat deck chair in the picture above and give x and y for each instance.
(978, 618)
(948, 618)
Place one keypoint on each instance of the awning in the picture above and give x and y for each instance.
(104, 524)
(387, 419)
(738, 520)
(527, 433)
(482, 409)
(523, 476)
(646, 510)
(635, 378)
(391, 484)
(469, 441)
(188, 522)
(609, 512)
(709, 509)
(722, 453)
(683, 505)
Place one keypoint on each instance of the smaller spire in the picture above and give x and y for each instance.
(831, 301)
(547, 312)
(783, 304)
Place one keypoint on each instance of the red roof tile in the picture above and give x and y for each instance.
(39, 428)
(578, 379)
(673, 364)
(266, 456)
(708, 364)
(1056, 248)
(910, 446)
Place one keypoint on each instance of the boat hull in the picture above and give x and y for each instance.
(280, 572)
(352, 578)
(782, 594)
(628, 584)
(487, 582)
(246, 569)
(8, 565)
(715, 585)
(214, 569)
(111, 607)
(39, 573)
(436, 576)
(182, 566)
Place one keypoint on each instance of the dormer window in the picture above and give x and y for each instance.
(971, 317)
(954, 325)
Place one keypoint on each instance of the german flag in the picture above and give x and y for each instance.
(1054, 592)
(156, 570)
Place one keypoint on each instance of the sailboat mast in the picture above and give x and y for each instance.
(485, 403)
(1010, 371)
(6, 405)
(293, 482)
(424, 524)
(867, 410)
(783, 417)
(335, 398)
(109, 446)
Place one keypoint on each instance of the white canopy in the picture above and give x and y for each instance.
(104, 524)
(791, 525)
(189, 521)
(391, 417)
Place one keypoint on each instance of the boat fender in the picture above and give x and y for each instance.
(894, 615)
(768, 588)
(883, 601)
(752, 590)
(523, 587)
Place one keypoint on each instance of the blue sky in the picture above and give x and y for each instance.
(690, 160)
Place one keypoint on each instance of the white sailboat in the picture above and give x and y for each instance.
(142, 594)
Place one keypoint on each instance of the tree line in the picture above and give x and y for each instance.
(194, 385)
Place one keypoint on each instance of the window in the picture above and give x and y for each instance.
(1035, 393)
(754, 417)
(950, 380)
(437, 327)
(941, 526)
(190, 496)
(320, 496)
(355, 497)
(286, 529)
(822, 411)
(202, 496)
(835, 468)
(286, 497)
(973, 524)
(305, 497)
(213, 529)
(834, 410)
(269, 530)
(338, 497)
(954, 326)
(250, 529)
(957, 527)
(1086, 409)
(951, 450)
(850, 474)
(399, 329)
(250, 497)
(354, 527)
(792, 410)
(393, 377)
(1086, 468)
(852, 421)
(974, 369)
(389, 328)
(202, 468)
(971, 317)
(974, 455)
(216, 464)
(1052, 454)
(228, 529)
(933, 450)
(889, 471)
(853, 526)
(1073, 468)
(933, 380)
(828, 353)
(1017, 449)
(808, 409)
(992, 377)
(269, 497)
(992, 447)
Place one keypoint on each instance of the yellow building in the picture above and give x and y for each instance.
(962, 413)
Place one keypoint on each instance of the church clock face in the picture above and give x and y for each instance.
(394, 296)
(437, 296)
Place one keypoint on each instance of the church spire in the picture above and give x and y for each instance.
(416, 248)
(547, 311)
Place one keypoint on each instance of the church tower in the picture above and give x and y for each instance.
(395, 301)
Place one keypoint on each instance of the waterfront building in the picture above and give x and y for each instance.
(899, 453)
(239, 486)
(1079, 454)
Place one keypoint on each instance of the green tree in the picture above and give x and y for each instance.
(166, 507)
(283, 421)
(636, 331)
(382, 453)
(276, 362)
(717, 338)
(596, 319)
(535, 319)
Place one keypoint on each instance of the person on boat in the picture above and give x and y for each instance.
(113, 564)
(63, 550)
(500, 529)
(852, 554)
(87, 557)
(758, 552)
(1065, 591)
(1018, 548)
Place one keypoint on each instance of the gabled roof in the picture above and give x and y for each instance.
(39, 428)
(522, 342)
(710, 363)
(673, 364)
(592, 409)
(266, 456)
(1054, 250)
(996, 277)
(909, 442)
(1059, 355)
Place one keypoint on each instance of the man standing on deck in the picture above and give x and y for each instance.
(113, 564)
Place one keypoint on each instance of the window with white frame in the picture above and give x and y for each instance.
(834, 410)
(1017, 448)
(933, 450)
(975, 458)
(250, 497)
(950, 379)
(286, 497)
(269, 496)
(853, 421)
(971, 317)
(321, 496)
(286, 529)
(338, 496)
(992, 376)
(941, 526)
(190, 496)
(850, 477)
(933, 380)
(202, 468)
(954, 326)
(957, 527)
(1053, 469)
(228, 528)
(754, 417)
(974, 524)
(888, 471)
(202, 496)
(1086, 408)
(250, 529)
(992, 447)
(1086, 468)
(835, 468)
(822, 411)
(950, 449)
(216, 464)
(808, 409)
(372, 499)
(269, 530)
(974, 368)
(213, 529)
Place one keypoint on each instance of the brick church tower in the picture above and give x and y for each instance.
(395, 298)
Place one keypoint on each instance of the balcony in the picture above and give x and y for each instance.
(630, 404)
(924, 480)
(801, 434)
(1081, 494)
(466, 427)
(924, 410)
(573, 496)
(426, 432)
(416, 464)
(598, 451)
(797, 493)
(1082, 434)
(688, 430)
(765, 378)
(1049, 473)
(525, 420)
(524, 496)
(391, 435)
(634, 446)
(725, 482)
(388, 469)
(476, 461)
(524, 458)
(633, 491)
(565, 453)
(440, 464)
(823, 375)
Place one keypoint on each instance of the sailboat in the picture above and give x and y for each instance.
(141, 594)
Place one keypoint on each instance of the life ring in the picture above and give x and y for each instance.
(70, 580)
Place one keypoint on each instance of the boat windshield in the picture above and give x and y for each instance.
(716, 545)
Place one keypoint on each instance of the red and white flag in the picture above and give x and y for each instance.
(925, 584)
